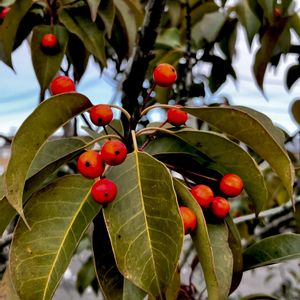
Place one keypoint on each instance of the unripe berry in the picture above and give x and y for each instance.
(189, 219)
(231, 185)
(220, 207)
(176, 117)
(164, 75)
(101, 114)
(90, 164)
(62, 84)
(49, 43)
(203, 195)
(113, 152)
(4, 12)
(104, 191)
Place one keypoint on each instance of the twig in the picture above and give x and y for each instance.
(86, 121)
(116, 131)
(8, 140)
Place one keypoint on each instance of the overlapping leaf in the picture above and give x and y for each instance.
(254, 129)
(107, 12)
(93, 5)
(59, 214)
(34, 132)
(144, 224)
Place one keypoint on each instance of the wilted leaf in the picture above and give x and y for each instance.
(109, 277)
(93, 5)
(292, 75)
(295, 109)
(58, 215)
(272, 250)
(212, 247)
(33, 133)
(254, 129)
(147, 236)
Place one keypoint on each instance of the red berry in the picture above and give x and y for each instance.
(189, 219)
(4, 12)
(113, 152)
(231, 185)
(220, 207)
(90, 164)
(164, 75)
(176, 117)
(203, 195)
(277, 13)
(49, 40)
(104, 191)
(101, 114)
(62, 84)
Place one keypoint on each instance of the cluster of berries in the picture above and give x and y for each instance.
(231, 185)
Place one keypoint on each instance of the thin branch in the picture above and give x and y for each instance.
(86, 121)
(8, 140)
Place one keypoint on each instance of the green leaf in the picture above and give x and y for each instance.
(295, 23)
(46, 66)
(58, 216)
(248, 19)
(268, 8)
(7, 213)
(107, 13)
(85, 276)
(132, 292)
(200, 11)
(254, 129)
(292, 76)
(272, 250)
(285, 6)
(212, 247)
(9, 28)
(295, 109)
(78, 22)
(169, 39)
(7, 291)
(109, 277)
(32, 135)
(93, 5)
(147, 236)
(233, 158)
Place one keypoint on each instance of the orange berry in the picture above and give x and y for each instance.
(231, 185)
(4, 12)
(176, 117)
(220, 207)
(164, 75)
(62, 84)
(113, 152)
(90, 164)
(203, 195)
(101, 114)
(104, 191)
(189, 219)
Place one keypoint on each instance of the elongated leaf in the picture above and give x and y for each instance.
(259, 133)
(295, 109)
(46, 66)
(132, 292)
(233, 158)
(292, 75)
(107, 13)
(144, 224)
(109, 277)
(217, 288)
(93, 5)
(9, 28)
(91, 35)
(58, 215)
(7, 291)
(45, 120)
(272, 250)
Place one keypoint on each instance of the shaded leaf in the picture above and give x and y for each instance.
(85, 276)
(7, 291)
(295, 109)
(215, 265)
(78, 22)
(93, 5)
(233, 158)
(272, 250)
(169, 39)
(292, 75)
(107, 13)
(6, 215)
(58, 215)
(254, 129)
(147, 237)
(33, 133)
(132, 292)
(268, 8)
(108, 276)
(46, 66)
(9, 27)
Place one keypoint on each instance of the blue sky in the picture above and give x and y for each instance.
(19, 91)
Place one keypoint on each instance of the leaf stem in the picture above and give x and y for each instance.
(145, 130)
(124, 111)
(158, 106)
(109, 136)
(116, 131)
(149, 94)
(135, 145)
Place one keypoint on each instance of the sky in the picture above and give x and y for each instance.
(19, 90)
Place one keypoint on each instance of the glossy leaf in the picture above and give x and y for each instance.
(272, 250)
(33, 133)
(93, 5)
(132, 292)
(109, 277)
(7, 291)
(254, 129)
(107, 13)
(90, 34)
(295, 109)
(58, 216)
(9, 27)
(233, 158)
(292, 75)
(215, 265)
(147, 236)
(46, 66)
